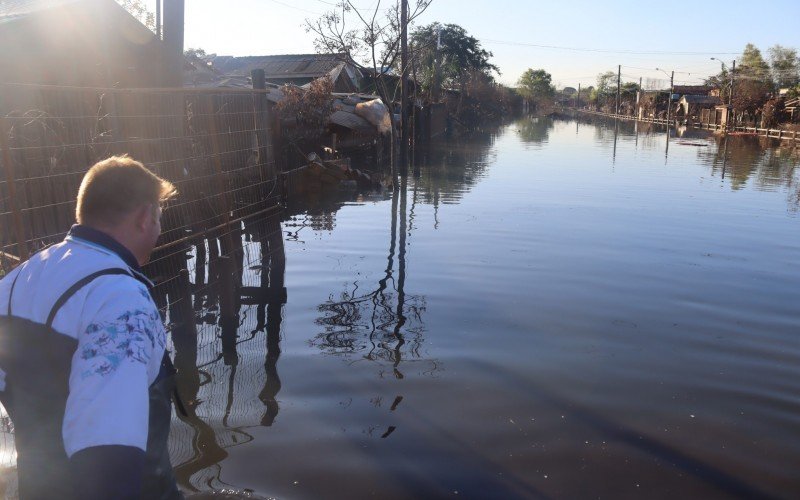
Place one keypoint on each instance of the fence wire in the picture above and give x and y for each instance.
(221, 233)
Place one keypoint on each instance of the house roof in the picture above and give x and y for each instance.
(701, 99)
(11, 10)
(280, 66)
(692, 89)
(19, 10)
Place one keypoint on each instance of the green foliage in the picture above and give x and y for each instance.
(191, 53)
(752, 64)
(785, 66)
(535, 85)
(484, 100)
(605, 83)
(445, 55)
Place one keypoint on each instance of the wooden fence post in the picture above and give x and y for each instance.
(262, 123)
(8, 167)
(229, 315)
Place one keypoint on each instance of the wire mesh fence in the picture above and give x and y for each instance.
(219, 234)
(214, 145)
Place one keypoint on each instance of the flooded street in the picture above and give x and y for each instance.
(554, 309)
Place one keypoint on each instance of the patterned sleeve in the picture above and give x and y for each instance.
(120, 345)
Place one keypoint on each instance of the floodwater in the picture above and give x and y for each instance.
(553, 309)
(550, 309)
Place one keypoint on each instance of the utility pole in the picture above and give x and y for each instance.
(434, 92)
(619, 78)
(403, 84)
(578, 99)
(730, 94)
(638, 99)
(173, 41)
(669, 99)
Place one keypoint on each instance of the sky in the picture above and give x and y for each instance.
(572, 40)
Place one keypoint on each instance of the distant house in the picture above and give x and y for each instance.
(295, 69)
(692, 89)
(691, 107)
(77, 42)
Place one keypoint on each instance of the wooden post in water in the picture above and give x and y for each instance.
(265, 159)
(186, 308)
(229, 315)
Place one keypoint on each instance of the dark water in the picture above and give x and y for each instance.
(551, 309)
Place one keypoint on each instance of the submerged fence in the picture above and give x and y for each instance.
(784, 135)
(221, 244)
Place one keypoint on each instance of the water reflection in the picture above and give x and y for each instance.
(740, 159)
(450, 168)
(383, 322)
(534, 129)
(218, 380)
(746, 158)
(548, 398)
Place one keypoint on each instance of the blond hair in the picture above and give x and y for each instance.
(117, 186)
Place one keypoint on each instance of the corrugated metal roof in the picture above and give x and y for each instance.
(281, 66)
(352, 121)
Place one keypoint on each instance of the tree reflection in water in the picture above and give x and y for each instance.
(384, 323)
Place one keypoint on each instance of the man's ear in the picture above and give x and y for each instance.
(143, 216)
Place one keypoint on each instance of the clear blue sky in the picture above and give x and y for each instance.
(511, 29)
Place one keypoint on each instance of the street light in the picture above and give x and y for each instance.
(724, 69)
(671, 88)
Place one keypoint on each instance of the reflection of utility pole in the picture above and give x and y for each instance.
(616, 133)
(401, 280)
(725, 157)
(619, 81)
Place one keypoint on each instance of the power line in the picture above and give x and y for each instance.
(609, 51)
(296, 8)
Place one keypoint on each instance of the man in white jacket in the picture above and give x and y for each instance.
(82, 347)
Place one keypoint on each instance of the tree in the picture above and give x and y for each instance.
(605, 83)
(365, 38)
(749, 95)
(785, 66)
(139, 10)
(753, 65)
(446, 55)
(536, 86)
